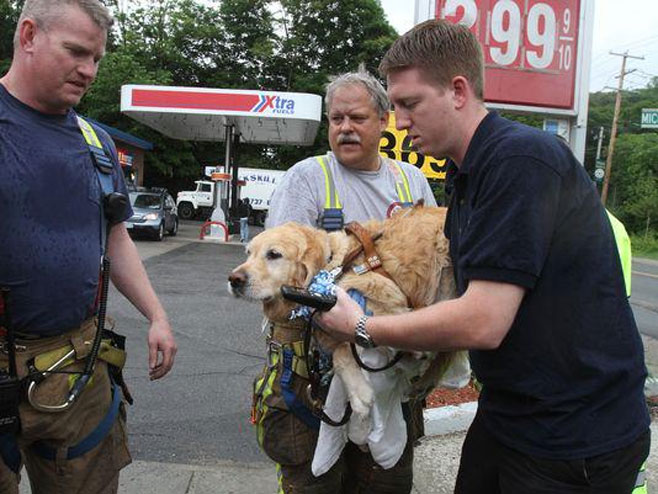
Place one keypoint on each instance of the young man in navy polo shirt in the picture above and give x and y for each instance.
(542, 303)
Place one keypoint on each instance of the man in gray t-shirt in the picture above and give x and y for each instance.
(367, 186)
(364, 194)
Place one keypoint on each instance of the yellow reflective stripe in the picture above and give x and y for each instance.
(260, 431)
(398, 187)
(279, 479)
(89, 133)
(107, 352)
(623, 242)
(641, 481)
(327, 185)
(298, 348)
(327, 189)
(405, 182)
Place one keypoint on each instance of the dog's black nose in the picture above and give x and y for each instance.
(237, 279)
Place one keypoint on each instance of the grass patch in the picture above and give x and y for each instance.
(645, 246)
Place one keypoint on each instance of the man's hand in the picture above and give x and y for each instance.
(162, 349)
(341, 320)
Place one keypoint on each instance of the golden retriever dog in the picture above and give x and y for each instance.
(413, 250)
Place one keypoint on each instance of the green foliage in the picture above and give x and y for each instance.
(525, 118)
(645, 246)
(293, 45)
(321, 38)
(633, 188)
(296, 45)
(439, 191)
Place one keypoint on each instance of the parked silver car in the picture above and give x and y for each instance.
(154, 213)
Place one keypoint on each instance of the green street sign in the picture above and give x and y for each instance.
(649, 118)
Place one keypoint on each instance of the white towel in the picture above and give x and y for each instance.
(388, 433)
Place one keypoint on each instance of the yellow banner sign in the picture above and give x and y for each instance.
(396, 144)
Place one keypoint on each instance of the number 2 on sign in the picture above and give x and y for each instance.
(469, 11)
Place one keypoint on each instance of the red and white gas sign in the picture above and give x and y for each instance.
(530, 48)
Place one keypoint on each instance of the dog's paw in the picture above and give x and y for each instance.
(359, 428)
(362, 398)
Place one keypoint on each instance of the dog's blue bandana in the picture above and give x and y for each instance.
(323, 283)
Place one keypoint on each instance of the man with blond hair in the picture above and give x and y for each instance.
(63, 203)
(542, 305)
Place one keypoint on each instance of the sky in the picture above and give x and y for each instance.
(619, 26)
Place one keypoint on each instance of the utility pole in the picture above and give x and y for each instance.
(615, 118)
(599, 144)
(599, 168)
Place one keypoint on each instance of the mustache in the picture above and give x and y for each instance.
(349, 139)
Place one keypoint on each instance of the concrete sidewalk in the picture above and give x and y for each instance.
(435, 469)
(435, 466)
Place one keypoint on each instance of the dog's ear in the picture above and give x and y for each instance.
(420, 203)
(447, 284)
(315, 253)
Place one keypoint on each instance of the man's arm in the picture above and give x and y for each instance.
(130, 278)
(479, 319)
(294, 199)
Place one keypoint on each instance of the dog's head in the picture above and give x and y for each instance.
(290, 254)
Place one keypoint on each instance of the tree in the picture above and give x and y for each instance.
(9, 12)
(635, 180)
(230, 44)
(321, 38)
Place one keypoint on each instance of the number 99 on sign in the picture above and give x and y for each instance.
(534, 35)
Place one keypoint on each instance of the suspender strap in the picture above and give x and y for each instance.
(332, 215)
(103, 167)
(295, 405)
(402, 185)
(89, 442)
(331, 200)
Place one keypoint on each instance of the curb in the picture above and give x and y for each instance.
(449, 419)
(457, 418)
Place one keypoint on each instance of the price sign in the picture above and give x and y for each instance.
(396, 144)
(530, 47)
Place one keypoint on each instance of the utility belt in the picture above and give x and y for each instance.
(282, 384)
(45, 355)
(286, 418)
(281, 341)
(35, 361)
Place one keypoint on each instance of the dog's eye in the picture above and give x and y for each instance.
(272, 254)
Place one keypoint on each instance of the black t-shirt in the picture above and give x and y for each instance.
(50, 200)
(568, 379)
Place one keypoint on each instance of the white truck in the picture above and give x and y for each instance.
(260, 184)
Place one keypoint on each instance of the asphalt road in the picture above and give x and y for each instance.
(199, 414)
(644, 296)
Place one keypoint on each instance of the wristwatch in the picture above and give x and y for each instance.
(361, 335)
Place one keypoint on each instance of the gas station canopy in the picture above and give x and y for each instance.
(202, 114)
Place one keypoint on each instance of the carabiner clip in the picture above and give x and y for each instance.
(33, 386)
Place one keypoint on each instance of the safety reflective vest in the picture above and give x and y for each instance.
(332, 217)
(624, 247)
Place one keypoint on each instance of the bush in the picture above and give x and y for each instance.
(645, 246)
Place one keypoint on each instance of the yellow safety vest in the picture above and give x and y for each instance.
(624, 248)
(332, 216)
